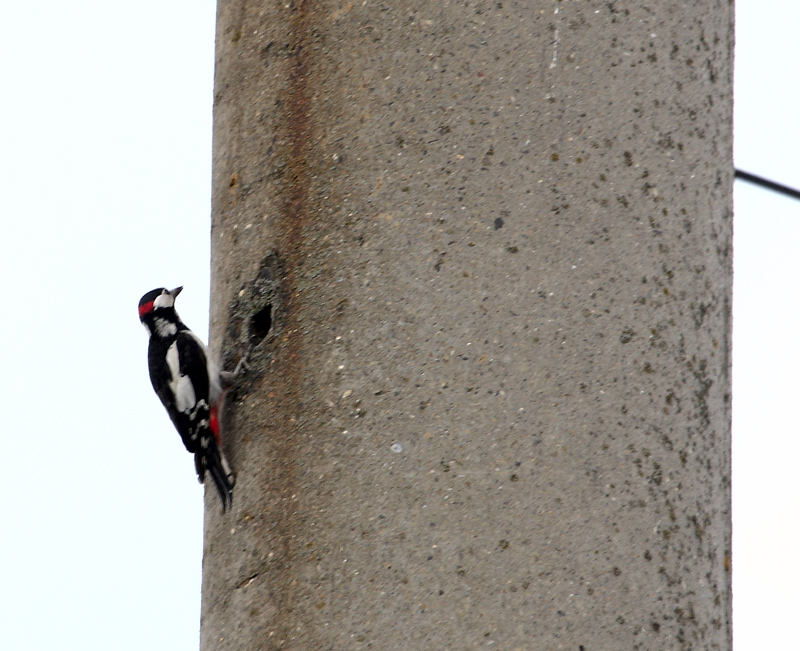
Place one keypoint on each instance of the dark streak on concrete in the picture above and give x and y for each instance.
(293, 215)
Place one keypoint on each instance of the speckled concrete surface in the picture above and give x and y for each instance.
(483, 251)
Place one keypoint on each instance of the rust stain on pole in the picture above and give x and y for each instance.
(262, 139)
(294, 212)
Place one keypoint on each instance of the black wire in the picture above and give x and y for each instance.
(766, 183)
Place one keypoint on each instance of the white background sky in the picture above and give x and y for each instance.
(105, 157)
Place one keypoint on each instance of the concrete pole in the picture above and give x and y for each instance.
(483, 252)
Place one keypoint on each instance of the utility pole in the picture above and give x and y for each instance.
(482, 252)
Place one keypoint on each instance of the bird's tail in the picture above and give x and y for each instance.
(212, 459)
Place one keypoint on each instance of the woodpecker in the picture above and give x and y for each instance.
(189, 385)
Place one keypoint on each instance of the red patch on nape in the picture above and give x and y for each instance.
(213, 423)
(145, 309)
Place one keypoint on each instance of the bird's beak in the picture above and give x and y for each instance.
(176, 291)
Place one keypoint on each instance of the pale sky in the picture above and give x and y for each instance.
(105, 170)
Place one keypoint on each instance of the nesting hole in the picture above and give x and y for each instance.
(260, 324)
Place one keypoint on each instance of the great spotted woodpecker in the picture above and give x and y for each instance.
(190, 387)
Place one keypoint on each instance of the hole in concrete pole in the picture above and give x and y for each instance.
(260, 324)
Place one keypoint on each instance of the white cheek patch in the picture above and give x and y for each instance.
(164, 300)
(180, 385)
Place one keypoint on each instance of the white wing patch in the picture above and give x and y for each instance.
(181, 385)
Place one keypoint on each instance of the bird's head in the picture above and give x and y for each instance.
(158, 306)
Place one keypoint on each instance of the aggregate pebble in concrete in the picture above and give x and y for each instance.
(490, 405)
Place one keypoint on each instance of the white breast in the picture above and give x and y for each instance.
(214, 388)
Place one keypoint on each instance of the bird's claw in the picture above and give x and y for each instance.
(228, 378)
